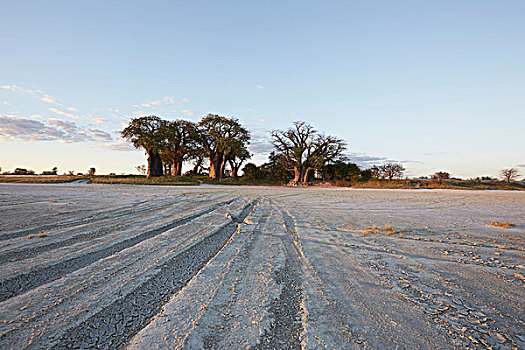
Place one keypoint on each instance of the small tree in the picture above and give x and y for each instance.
(141, 169)
(238, 155)
(251, 172)
(440, 176)
(365, 174)
(91, 171)
(509, 174)
(23, 171)
(391, 170)
(341, 170)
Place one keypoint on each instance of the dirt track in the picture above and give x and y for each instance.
(110, 267)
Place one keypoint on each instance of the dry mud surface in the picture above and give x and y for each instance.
(113, 267)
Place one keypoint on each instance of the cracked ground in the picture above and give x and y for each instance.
(212, 267)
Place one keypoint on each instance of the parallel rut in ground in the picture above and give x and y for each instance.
(116, 324)
(37, 277)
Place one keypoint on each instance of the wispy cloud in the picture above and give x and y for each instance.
(520, 166)
(259, 87)
(366, 160)
(260, 141)
(119, 145)
(67, 114)
(18, 89)
(99, 121)
(49, 99)
(35, 93)
(5, 103)
(14, 127)
(71, 109)
(165, 101)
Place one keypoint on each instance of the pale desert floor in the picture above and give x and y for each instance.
(138, 267)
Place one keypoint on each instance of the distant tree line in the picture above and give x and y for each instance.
(217, 146)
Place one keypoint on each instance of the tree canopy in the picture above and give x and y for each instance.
(303, 149)
(146, 132)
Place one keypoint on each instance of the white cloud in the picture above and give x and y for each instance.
(13, 127)
(38, 116)
(71, 109)
(259, 87)
(5, 103)
(99, 121)
(67, 114)
(35, 93)
(165, 101)
(49, 99)
(18, 89)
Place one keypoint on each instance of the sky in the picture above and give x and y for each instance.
(435, 85)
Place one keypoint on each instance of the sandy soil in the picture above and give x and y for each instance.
(145, 267)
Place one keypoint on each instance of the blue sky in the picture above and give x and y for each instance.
(434, 85)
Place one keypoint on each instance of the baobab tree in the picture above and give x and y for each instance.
(509, 174)
(179, 138)
(302, 149)
(391, 170)
(146, 132)
(440, 176)
(218, 136)
(236, 157)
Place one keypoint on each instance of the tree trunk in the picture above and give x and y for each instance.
(221, 171)
(215, 166)
(176, 168)
(235, 170)
(167, 169)
(154, 164)
(306, 175)
(297, 176)
(197, 166)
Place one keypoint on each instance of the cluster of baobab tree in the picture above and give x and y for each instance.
(222, 142)
(169, 144)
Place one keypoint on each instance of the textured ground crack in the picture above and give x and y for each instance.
(116, 324)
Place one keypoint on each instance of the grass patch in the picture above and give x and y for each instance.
(501, 224)
(415, 184)
(40, 179)
(143, 180)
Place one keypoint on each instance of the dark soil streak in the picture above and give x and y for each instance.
(22, 283)
(115, 325)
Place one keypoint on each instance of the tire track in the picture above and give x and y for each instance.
(327, 311)
(33, 251)
(100, 215)
(19, 284)
(115, 325)
(219, 322)
(285, 332)
(103, 214)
